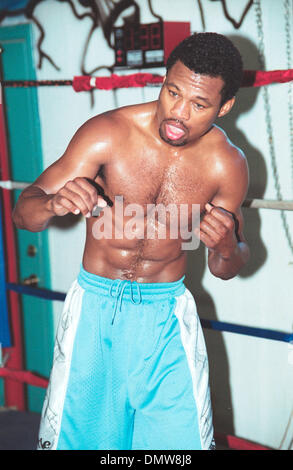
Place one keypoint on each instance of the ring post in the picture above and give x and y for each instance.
(5, 338)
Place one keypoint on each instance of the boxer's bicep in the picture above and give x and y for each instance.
(86, 152)
(232, 190)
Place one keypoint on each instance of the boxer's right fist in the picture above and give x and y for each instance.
(78, 197)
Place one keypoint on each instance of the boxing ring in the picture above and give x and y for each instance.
(11, 365)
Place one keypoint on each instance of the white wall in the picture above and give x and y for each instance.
(251, 378)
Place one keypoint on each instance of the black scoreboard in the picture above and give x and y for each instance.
(147, 45)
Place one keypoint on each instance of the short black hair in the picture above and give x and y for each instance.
(211, 54)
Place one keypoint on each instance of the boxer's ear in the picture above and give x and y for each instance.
(226, 107)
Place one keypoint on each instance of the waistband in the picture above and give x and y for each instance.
(123, 289)
(161, 290)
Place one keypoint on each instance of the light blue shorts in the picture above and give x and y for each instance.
(130, 370)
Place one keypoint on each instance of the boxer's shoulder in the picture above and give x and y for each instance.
(119, 121)
(133, 116)
(222, 150)
(228, 161)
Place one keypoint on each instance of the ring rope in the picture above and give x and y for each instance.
(36, 291)
(251, 78)
(250, 203)
(23, 376)
(210, 324)
(13, 185)
(268, 204)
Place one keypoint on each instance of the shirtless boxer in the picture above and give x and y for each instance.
(130, 368)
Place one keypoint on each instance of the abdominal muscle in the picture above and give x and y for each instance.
(139, 259)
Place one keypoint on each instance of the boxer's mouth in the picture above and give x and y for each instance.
(175, 130)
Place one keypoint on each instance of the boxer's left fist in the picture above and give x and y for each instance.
(217, 231)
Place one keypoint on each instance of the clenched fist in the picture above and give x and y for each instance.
(217, 230)
(76, 196)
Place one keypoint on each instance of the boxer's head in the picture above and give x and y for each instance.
(204, 72)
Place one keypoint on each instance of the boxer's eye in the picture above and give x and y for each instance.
(173, 93)
(198, 106)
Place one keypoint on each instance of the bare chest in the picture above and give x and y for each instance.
(146, 180)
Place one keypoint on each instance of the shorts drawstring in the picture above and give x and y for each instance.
(125, 289)
(120, 286)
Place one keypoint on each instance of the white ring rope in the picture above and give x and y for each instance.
(13, 185)
(249, 203)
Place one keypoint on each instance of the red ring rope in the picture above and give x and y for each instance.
(23, 376)
(251, 78)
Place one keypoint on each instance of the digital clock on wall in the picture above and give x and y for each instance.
(147, 45)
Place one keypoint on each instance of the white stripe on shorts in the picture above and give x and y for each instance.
(195, 349)
(56, 391)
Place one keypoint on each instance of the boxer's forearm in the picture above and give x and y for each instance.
(229, 266)
(32, 211)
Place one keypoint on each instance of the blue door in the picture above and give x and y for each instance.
(25, 151)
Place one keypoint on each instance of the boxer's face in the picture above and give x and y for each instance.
(188, 105)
